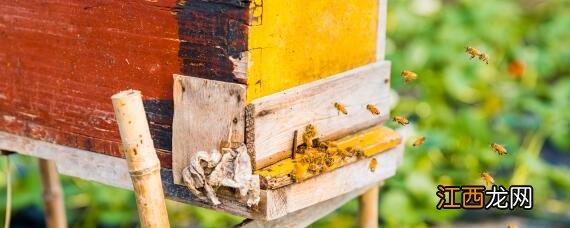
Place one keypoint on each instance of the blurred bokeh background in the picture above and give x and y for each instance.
(521, 100)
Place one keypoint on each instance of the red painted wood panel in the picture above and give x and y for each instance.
(60, 62)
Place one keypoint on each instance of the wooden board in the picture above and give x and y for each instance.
(272, 120)
(274, 204)
(381, 31)
(205, 111)
(306, 216)
(295, 42)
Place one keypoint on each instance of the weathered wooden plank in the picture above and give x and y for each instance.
(381, 31)
(205, 111)
(272, 120)
(297, 41)
(306, 216)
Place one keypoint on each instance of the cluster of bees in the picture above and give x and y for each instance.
(316, 156)
(408, 76)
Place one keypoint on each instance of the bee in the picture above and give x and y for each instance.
(408, 76)
(309, 135)
(373, 164)
(483, 57)
(341, 108)
(501, 150)
(419, 141)
(373, 109)
(511, 226)
(300, 172)
(487, 178)
(401, 120)
(474, 52)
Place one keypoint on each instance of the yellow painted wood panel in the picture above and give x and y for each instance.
(294, 42)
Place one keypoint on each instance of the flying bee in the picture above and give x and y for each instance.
(474, 52)
(487, 178)
(401, 120)
(483, 57)
(501, 150)
(408, 76)
(341, 108)
(419, 141)
(373, 109)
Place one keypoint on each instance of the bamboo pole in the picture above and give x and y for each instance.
(142, 161)
(368, 207)
(8, 171)
(52, 195)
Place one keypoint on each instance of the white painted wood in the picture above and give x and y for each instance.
(204, 113)
(272, 120)
(381, 31)
(71, 161)
(306, 216)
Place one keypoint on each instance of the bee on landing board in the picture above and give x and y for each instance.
(500, 149)
(408, 76)
(401, 120)
(341, 108)
(487, 178)
(419, 141)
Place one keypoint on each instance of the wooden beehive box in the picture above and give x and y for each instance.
(255, 70)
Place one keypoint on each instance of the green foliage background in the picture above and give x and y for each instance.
(460, 105)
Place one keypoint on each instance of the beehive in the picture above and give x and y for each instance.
(259, 70)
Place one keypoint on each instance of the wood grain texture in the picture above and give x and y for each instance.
(306, 216)
(60, 61)
(205, 111)
(273, 119)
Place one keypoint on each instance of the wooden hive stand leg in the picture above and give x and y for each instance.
(142, 161)
(52, 195)
(368, 207)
